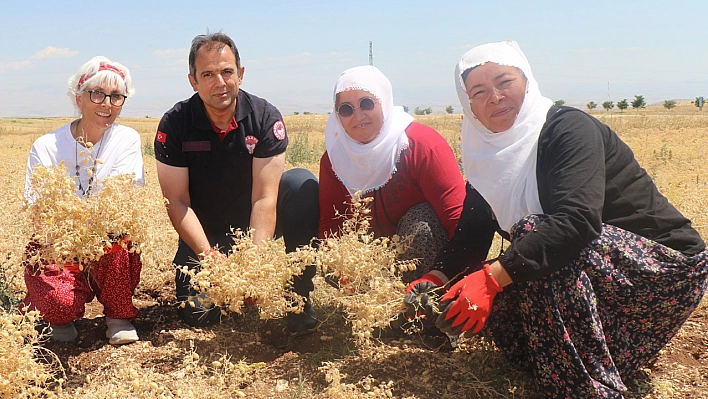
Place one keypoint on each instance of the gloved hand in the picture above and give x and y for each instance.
(421, 295)
(468, 303)
(340, 282)
(211, 254)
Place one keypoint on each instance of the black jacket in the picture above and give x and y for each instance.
(586, 176)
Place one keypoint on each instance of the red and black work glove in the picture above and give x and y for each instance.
(422, 294)
(468, 303)
(340, 282)
(211, 254)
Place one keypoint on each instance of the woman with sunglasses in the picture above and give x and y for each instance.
(91, 148)
(378, 150)
(601, 270)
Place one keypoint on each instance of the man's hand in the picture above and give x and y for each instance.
(468, 303)
(340, 282)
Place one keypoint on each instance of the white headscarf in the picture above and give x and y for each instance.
(502, 166)
(366, 167)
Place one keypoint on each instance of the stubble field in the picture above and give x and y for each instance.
(248, 357)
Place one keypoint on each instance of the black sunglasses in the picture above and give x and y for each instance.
(346, 110)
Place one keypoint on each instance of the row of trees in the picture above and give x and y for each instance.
(637, 103)
(427, 111)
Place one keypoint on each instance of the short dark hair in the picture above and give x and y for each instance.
(212, 41)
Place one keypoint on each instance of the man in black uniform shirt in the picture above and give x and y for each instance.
(220, 160)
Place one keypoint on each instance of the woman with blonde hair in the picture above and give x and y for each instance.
(91, 148)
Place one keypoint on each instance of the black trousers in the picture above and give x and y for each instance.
(298, 215)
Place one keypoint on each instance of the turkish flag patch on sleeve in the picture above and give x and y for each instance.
(161, 137)
(279, 130)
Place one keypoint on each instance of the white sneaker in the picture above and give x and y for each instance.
(65, 333)
(120, 331)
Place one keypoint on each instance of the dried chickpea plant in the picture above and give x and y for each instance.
(26, 369)
(219, 378)
(69, 229)
(371, 291)
(366, 387)
(223, 374)
(251, 274)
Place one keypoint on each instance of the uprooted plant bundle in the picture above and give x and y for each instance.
(371, 291)
(251, 274)
(69, 229)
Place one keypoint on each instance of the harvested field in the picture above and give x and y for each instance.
(248, 357)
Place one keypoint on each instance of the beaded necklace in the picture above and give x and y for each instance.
(92, 172)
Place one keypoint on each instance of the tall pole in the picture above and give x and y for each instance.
(609, 95)
(371, 55)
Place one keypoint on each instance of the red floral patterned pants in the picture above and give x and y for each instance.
(61, 293)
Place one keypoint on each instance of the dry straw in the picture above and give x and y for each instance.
(220, 378)
(371, 297)
(371, 291)
(366, 387)
(74, 230)
(260, 274)
(26, 369)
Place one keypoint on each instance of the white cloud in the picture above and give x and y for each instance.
(172, 53)
(16, 65)
(53, 53)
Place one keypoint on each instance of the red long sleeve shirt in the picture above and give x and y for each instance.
(427, 171)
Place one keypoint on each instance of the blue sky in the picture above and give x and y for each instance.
(294, 51)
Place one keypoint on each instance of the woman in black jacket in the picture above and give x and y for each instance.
(601, 271)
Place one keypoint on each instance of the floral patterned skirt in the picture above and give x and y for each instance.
(426, 237)
(596, 321)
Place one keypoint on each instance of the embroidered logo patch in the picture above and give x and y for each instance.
(194, 146)
(251, 143)
(161, 137)
(279, 130)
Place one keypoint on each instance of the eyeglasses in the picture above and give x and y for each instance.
(98, 97)
(346, 110)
